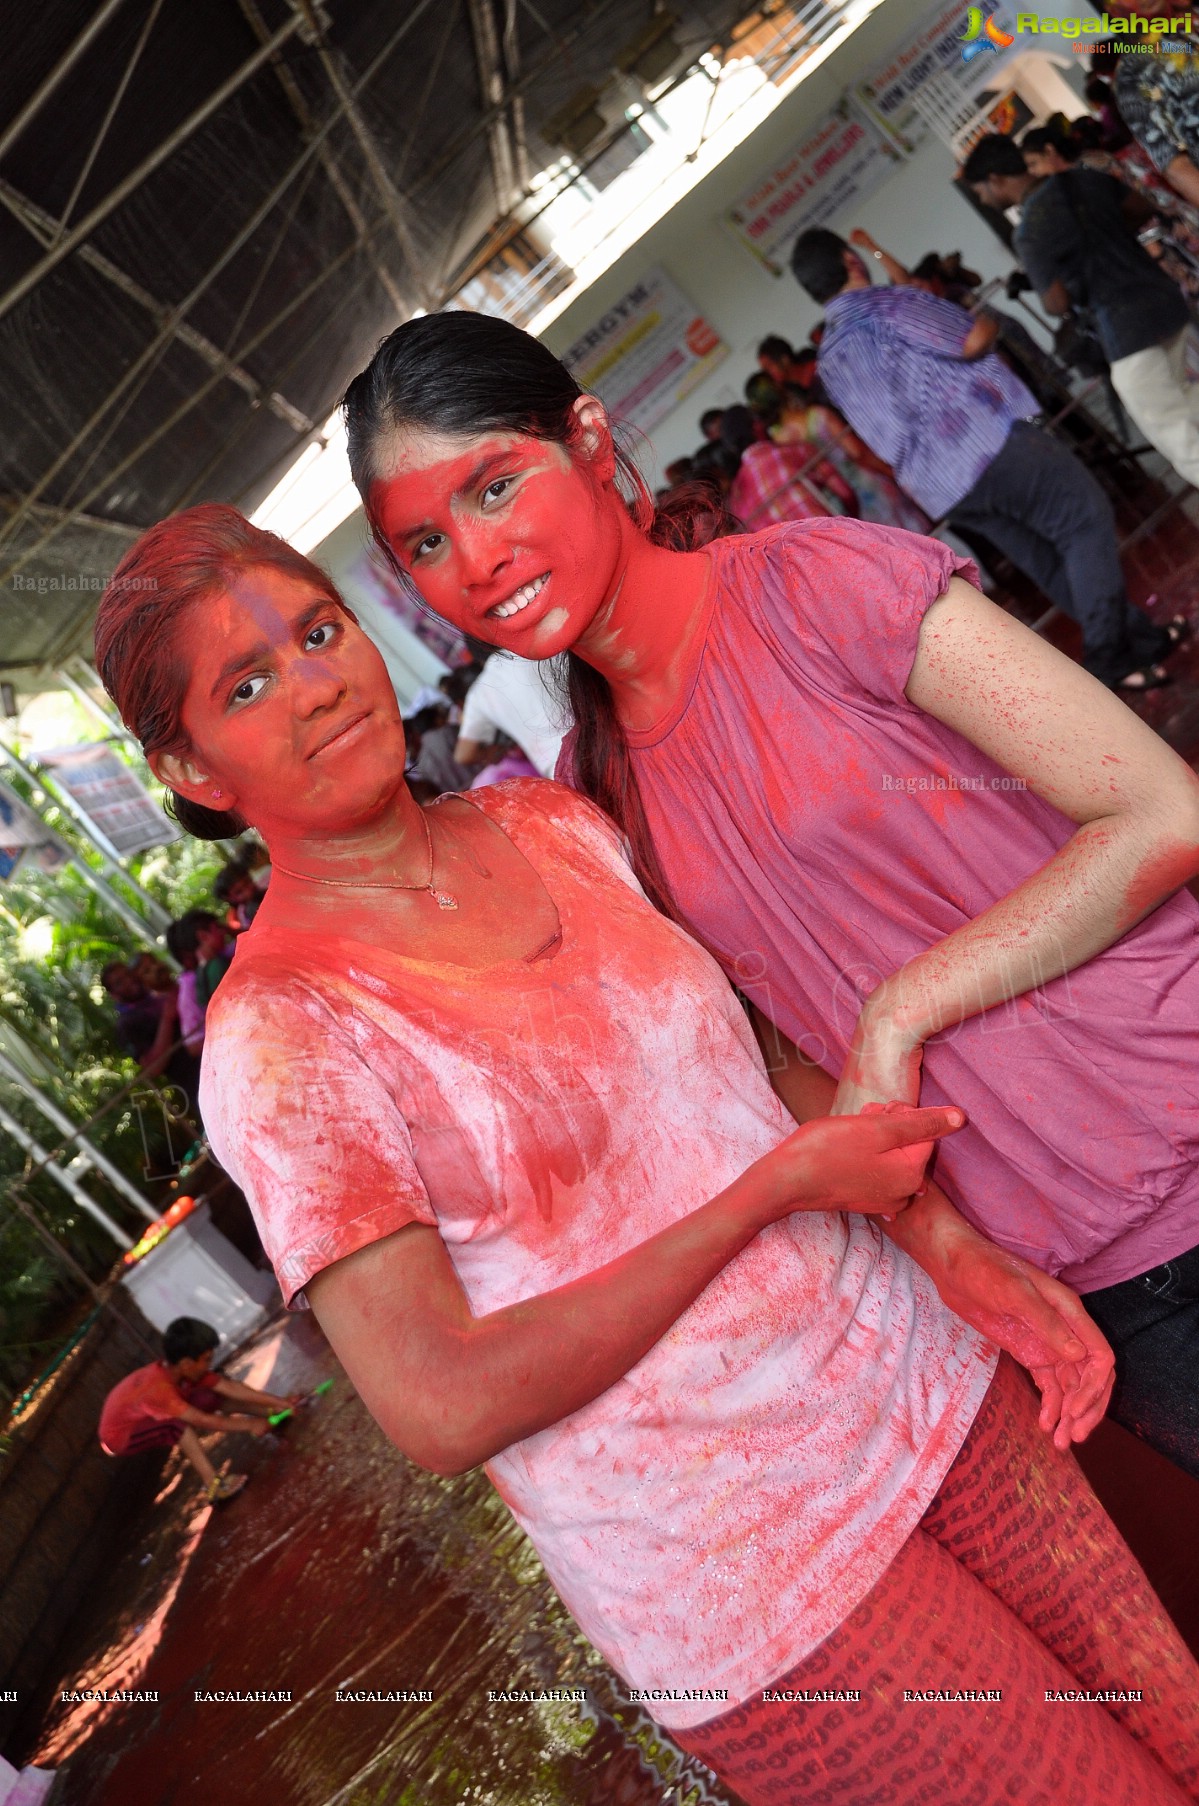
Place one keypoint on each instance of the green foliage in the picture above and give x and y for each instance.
(56, 1023)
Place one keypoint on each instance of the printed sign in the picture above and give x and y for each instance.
(646, 353)
(934, 49)
(834, 166)
(25, 839)
(110, 795)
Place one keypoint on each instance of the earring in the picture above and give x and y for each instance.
(217, 793)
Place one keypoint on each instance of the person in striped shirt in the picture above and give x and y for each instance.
(918, 379)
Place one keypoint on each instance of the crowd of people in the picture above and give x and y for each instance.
(491, 718)
(914, 405)
(160, 1009)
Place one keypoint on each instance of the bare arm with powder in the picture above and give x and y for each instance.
(1038, 1320)
(452, 1390)
(1183, 175)
(1048, 722)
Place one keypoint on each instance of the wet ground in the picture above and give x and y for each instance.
(338, 1567)
(341, 1568)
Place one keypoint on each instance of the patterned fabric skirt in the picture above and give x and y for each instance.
(1015, 1582)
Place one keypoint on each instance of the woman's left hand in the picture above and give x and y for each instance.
(1039, 1321)
(882, 1067)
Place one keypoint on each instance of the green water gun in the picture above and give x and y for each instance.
(278, 1416)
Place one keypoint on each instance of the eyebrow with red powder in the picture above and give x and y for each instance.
(253, 655)
(510, 459)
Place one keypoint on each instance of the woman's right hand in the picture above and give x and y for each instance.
(865, 1163)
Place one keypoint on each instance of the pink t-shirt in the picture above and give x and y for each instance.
(718, 1512)
(818, 831)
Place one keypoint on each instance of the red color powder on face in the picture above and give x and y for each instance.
(473, 521)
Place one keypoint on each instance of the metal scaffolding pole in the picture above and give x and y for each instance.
(172, 420)
(40, 225)
(393, 205)
(276, 194)
(61, 69)
(145, 168)
(157, 919)
(67, 1128)
(129, 916)
(113, 725)
(328, 161)
(72, 1187)
(114, 105)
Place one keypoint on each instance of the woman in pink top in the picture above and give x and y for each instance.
(508, 1131)
(925, 843)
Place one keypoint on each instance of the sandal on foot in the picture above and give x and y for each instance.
(225, 1486)
(1150, 677)
(1179, 630)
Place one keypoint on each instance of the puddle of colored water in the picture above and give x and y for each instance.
(339, 1566)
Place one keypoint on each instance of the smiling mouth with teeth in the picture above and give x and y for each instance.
(519, 599)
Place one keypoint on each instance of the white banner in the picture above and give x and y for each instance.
(646, 353)
(110, 795)
(837, 164)
(935, 48)
(25, 839)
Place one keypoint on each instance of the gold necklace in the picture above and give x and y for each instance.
(442, 898)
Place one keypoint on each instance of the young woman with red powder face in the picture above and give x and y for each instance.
(507, 1129)
(928, 846)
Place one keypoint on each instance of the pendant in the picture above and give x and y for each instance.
(443, 899)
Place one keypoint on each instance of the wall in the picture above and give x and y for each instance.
(914, 211)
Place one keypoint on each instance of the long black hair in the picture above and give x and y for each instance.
(466, 373)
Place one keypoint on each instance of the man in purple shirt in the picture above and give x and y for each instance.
(918, 380)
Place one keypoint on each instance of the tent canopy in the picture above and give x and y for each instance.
(210, 213)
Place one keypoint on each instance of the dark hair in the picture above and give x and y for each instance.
(709, 417)
(714, 463)
(465, 373)
(164, 574)
(692, 516)
(187, 1338)
(183, 936)
(1048, 137)
(994, 155)
(227, 877)
(425, 720)
(930, 268)
(114, 965)
(763, 394)
(818, 263)
(738, 431)
(777, 349)
(455, 684)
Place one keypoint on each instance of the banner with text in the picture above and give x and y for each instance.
(933, 49)
(838, 163)
(25, 840)
(646, 353)
(110, 795)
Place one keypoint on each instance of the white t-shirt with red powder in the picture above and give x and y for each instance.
(718, 1512)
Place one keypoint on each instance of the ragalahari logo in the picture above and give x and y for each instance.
(983, 34)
